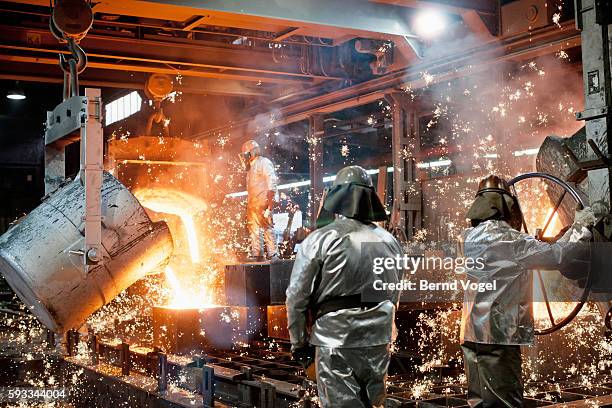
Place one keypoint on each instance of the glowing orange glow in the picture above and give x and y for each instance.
(185, 299)
(187, 283)
(559, 311)
(177, 203)
(554, 226)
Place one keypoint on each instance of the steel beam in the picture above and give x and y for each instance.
(452, 6)
(315, 157)
(346, 14)
(545, 41)
(597, 76)
(128, 80)
(159, 67)
(157, 54)
(407, 213)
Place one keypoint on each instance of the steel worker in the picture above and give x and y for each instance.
(496, 323)
(262, 187)
(332, 281)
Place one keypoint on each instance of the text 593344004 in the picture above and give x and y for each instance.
(14, 394)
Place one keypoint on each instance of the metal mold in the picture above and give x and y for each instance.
(277, 322)
(176, 330)
(183, 331)
(257, 284)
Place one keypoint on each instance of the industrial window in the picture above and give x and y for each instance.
(123, 107)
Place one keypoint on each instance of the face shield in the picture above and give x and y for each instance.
(494, 201)
(245, 159)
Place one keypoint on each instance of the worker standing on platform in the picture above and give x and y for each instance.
(262, 187)
(350, 334)
(495, 323)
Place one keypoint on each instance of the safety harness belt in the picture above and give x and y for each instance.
(342, 302)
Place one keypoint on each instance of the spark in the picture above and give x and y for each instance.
(344, 150)
(428, 78)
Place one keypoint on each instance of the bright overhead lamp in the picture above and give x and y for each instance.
(429, 23)
(16, 94)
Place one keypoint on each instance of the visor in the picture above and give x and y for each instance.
(245, 159)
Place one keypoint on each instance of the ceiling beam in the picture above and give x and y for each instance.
(452, 6)
(193, 22)
(286, 33)
(159, 69)
(545, 41)
(345, 14)
(191, 58)
(126, 80)
(477, 14)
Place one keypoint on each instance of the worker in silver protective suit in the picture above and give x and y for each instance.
(332, 279)
(495, 323)
(262, 187)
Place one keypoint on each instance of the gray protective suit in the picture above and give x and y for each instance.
(505, 316)
(261, 178)
(496, 323)
(352, 345)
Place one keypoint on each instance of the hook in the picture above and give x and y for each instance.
(56, 31)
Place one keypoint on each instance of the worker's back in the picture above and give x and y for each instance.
(507, 309)
(336, 261)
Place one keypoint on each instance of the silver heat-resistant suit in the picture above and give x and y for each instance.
(261, 179)
(496, 323)
(335, 262)
(352, 344)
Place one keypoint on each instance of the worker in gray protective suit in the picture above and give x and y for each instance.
(262, 188)
(332, 280)
(496, 323)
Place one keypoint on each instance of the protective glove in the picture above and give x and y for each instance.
(585, 217)
(304, 355)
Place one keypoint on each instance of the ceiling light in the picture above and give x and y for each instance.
(429, 23)
(434, 164)
(16, 94)
(526, 152)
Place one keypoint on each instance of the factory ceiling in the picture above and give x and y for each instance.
(296, 58)
(242, 48)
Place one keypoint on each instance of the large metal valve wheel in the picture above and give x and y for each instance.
(556, 325)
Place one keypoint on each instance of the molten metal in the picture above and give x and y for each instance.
(191, 287)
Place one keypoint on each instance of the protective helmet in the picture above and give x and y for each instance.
(495, 201)
(353, 174)
(352, 194)
(493, 184)
(250, 149)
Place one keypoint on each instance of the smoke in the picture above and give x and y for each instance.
(502, 108)
(490, 121)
